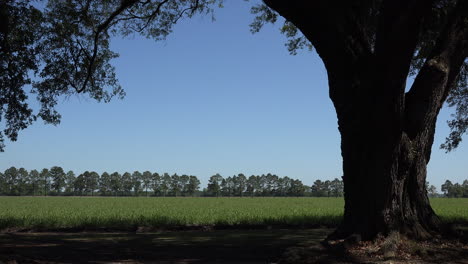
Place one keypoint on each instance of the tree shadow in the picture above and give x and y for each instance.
(216, 246)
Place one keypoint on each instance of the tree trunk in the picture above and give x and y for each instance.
(384, 179)
(386, 133)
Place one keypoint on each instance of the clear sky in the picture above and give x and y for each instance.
(212, 98)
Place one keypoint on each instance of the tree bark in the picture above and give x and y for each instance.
(384, 181)
(386, 134)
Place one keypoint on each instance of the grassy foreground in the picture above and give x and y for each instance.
(132, 212)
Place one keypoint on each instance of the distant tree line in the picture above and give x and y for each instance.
(455, 190)
(55, 181)
(270, 185)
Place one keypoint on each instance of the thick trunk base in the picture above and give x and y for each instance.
(385, 186)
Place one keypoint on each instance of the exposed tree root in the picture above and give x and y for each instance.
(393, 248)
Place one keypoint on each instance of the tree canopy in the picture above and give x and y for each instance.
(366, 22)
(62, 48)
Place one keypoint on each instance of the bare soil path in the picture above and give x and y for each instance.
(218, 246)
(291, 246)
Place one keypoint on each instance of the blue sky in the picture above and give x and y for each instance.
(212, 98)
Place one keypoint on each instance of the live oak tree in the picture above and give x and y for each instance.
(369, 48)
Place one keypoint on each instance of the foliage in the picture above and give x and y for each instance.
(264, 15)
(66, 48)
(458, 99)
(18, 50)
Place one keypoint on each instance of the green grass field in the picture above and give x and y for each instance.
(130, 213)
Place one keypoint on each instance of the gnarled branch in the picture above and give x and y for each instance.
(439, 73)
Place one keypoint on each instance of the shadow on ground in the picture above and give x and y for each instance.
(219, 246)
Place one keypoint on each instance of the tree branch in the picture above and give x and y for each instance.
(439, 73)
(148, 18)
(396, 39)
(123, 6)
(337, 37)
(336, 29)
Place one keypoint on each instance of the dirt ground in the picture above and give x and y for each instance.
(284, 246)
(217, 246)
